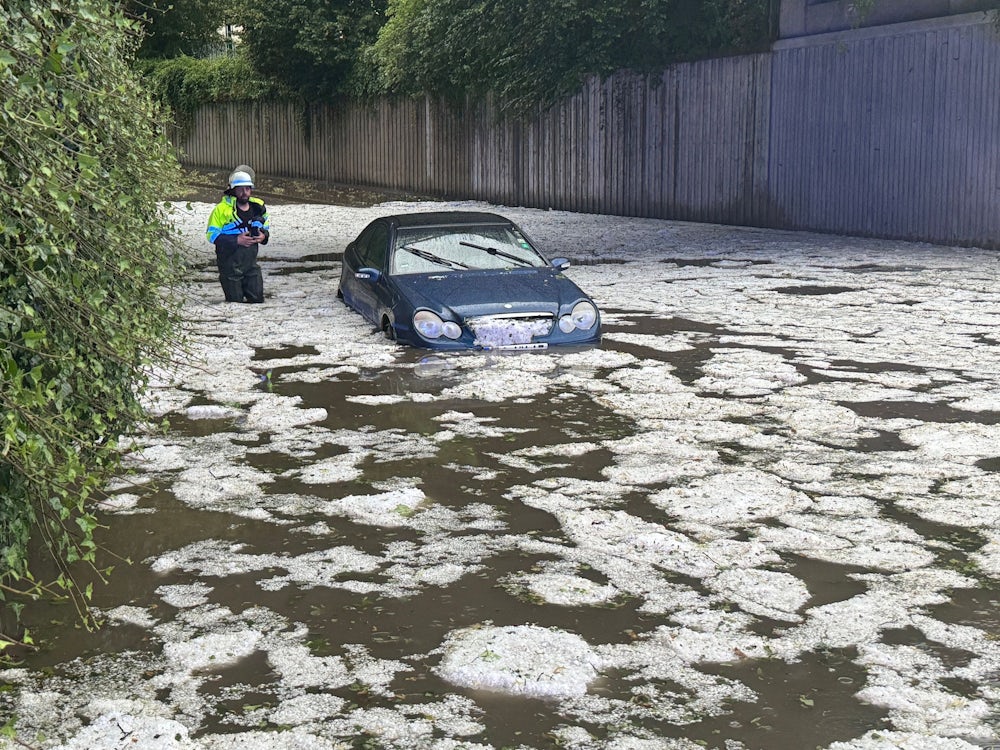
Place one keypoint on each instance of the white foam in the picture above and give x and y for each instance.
(732, 498)
(385, 509)
(116, 730)
(212, 650)
(567, 590)
(747, 465)
(184, 595)
(762, 592)
(131, 615)
(123, 501)
(520, 660)
(211, 411)
(340, 468)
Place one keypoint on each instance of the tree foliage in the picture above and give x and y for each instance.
(185, 83)
(535, 51)
(310, 48)
(526, 52)
(178, 27)
(83, 273)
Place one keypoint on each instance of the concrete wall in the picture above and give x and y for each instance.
(806, 17)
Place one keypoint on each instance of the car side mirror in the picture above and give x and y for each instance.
(367, 274)
(561, 263)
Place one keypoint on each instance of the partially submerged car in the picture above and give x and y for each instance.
(461, 280)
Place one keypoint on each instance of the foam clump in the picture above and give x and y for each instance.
(294, 739)
(520, 660)
(732, 498)
(116, 730)
(211, 411)
(123, 501)
(383, 509)
(340, 468)
(569, 590)
(183, 596)
(213, 650)
(767, 593)
(882, 740)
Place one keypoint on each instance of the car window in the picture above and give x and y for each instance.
(373, 245)
(434, 249)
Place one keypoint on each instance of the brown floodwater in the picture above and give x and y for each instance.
(809, 703)
(800, 704)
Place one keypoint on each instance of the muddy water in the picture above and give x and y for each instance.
(809, 703)
(769, 525)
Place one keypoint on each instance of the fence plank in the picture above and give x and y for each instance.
(891, 132)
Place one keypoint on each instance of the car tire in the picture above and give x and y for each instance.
(387, 329)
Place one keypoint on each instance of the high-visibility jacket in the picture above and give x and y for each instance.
(226, 223)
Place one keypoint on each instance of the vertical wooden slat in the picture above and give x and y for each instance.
(889, 132)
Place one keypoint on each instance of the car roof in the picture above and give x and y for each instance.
(447, 218)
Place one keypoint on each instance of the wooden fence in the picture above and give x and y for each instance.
(885, 132)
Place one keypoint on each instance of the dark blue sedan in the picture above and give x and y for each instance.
(461, 280)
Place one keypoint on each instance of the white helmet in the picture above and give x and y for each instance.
(238, 179)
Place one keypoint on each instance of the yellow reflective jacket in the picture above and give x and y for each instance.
(225, 222)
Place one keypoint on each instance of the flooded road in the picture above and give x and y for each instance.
(762, 514)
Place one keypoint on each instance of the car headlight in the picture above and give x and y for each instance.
(582, 316)
(431, 326)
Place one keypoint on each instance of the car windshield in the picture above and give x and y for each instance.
(434, 249)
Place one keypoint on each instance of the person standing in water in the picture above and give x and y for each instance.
(237, 226)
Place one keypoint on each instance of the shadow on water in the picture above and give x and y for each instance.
(813, 290)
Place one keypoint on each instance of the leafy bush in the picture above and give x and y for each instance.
(525, 52)
(185, 83)
(85, 273)
(177, 27)
(310, 48)
(531, 52)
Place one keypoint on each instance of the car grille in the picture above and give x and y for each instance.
(515, 328)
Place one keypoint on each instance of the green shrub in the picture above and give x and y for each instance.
(185, 83)
(85, 275)
(535, 52)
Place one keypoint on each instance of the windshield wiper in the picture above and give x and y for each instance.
(501, 253)
(427, 255)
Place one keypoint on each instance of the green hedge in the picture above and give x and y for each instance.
(85, 276)
(185, 83)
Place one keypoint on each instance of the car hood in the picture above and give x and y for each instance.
(469, 294)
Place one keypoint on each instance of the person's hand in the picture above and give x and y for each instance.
(245, 239)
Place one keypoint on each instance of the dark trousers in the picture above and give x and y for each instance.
(239, 274)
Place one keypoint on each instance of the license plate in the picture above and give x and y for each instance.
(521, 347)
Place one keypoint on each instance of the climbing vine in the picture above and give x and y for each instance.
(85, 273)
(184, 83)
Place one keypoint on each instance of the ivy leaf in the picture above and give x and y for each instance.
(81, 129)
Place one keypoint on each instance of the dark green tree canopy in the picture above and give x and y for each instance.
(526, 52)
(179, 27)
(310, 48)
(529, 51)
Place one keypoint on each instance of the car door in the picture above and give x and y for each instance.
(370, 252)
